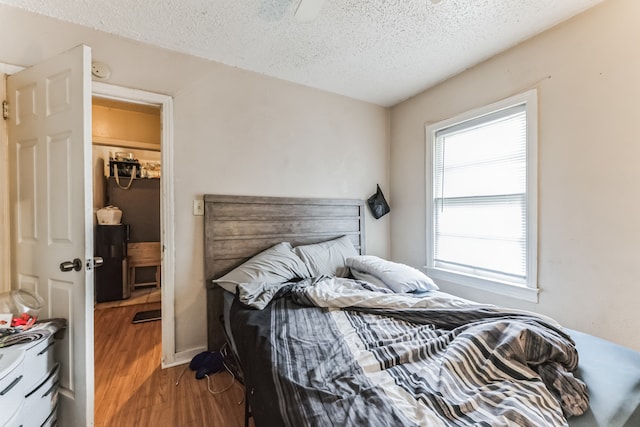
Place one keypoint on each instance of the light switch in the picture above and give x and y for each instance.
(198, 207)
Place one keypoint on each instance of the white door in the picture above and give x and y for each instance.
(51, 210)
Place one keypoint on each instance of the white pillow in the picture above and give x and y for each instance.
(278, 264)
(400, 278)
(327, 258)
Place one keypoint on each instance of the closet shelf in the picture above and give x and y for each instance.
(100, 140)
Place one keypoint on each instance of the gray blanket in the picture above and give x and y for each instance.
(475, 365)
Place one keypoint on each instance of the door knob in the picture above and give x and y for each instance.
(97, 261)
(76, 265)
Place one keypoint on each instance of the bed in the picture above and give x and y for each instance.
(331, 350)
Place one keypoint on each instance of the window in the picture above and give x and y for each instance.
(482, 198)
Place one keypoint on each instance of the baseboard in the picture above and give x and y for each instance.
(182, 357)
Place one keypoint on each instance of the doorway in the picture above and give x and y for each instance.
(165, 103)
(126, 164)
(127, 175)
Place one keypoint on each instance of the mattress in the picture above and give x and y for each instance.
(612, 375)
(228, 298)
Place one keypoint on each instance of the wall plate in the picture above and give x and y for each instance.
(100, 70)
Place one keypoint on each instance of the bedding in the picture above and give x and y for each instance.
(273, 265)
(395, 276)
(611, 372)
(327, 258)
(334, 351)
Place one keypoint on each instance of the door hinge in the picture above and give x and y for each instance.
(5, 110)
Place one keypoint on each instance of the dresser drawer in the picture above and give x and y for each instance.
(52, 419)
(16, 420)
(40, 402)
(12, 384)
(38, 359)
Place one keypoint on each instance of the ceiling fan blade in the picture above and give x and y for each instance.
(308, 10)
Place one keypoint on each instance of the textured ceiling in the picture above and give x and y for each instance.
(379, 51)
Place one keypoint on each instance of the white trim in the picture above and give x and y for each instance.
(184, 357)
(531, 98)
(5, 234)
(89, 249)
(105, 90)
(497, 287)
(530, 291)
(168, 221)
(5, 229)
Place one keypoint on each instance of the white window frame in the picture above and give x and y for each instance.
(529, 291)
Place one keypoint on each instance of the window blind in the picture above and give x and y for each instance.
(480, 185)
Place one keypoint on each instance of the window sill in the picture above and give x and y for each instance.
(501, 288)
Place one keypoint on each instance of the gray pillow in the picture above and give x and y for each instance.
(398, 277)
(278, 264)
(327, 258)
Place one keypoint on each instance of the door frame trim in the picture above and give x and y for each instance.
(165, 102)
(5, 229)
(5, 226)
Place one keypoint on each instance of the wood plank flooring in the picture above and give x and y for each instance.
(131, 389)
(138, 296)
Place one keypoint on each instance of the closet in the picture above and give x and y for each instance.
(129, 132)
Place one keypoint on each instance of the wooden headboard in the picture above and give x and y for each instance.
(239, 227)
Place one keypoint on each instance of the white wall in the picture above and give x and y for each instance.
(240, 133)
(235, 132)
(587, 73)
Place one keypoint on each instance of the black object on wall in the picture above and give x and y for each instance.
(111, 280)
(140, 207)
(378, 204)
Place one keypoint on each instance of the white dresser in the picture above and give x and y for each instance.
(29, 384)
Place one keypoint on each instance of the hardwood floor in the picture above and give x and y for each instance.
(132, 390)
(138, 296)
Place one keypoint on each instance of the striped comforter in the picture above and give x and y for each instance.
(335, 352)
